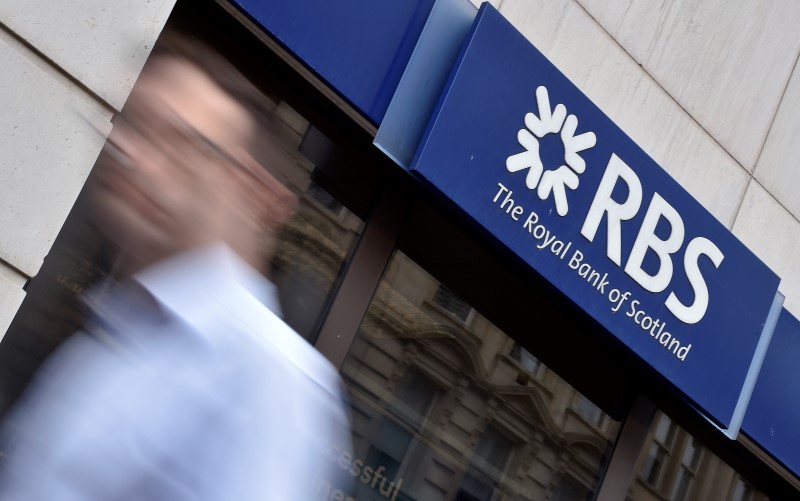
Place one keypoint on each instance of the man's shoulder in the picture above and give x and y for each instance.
(224, 301)
(273, 337)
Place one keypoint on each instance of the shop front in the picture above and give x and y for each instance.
(522, 304)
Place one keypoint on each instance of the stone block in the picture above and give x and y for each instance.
(51, 138)
(102, 44)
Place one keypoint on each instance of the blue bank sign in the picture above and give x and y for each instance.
(359, 47)
(519, 148)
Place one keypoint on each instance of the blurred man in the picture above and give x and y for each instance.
(187, 385)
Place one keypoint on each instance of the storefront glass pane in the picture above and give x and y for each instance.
(677, 467)
(445, 406)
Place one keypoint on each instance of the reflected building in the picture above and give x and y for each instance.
(453, 408)
(676, 466)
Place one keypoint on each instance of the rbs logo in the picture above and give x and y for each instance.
(646, 239)
(555, 183)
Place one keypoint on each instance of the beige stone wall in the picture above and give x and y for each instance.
(66, 67)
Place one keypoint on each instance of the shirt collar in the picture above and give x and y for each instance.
(188, 283)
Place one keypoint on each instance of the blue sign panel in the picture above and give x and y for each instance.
(519, 148)
(359, 47)
(774, 413)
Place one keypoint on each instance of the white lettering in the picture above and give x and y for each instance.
(693, 313)
(532, 219)
(617, 212)
(647, 239)
(499, 192)
(547, 241)
(575, 260)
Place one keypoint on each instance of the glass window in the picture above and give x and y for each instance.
(677, 467)
(439, 407)
(317, 241)
(742, 491)
(568, 490)
(493, 448)
(489, 460)
(526, 360)
(448, 301)
(686, 471)
(589, 411)
(415, 395)
(658, 452)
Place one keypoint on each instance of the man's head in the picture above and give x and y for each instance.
(176, 172)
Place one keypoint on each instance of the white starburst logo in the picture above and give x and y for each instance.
(551, 121)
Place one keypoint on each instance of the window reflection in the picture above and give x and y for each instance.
(677, 467)
(484, 476)
(568, 490)
(448, 409)
(530, 364)
(742, 491)
(448, 301)
(659, 451)
(592, 413)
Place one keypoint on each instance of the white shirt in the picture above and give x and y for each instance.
(208, 396)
